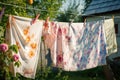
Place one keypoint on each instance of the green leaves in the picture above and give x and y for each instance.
(14, 48)
(18, 63)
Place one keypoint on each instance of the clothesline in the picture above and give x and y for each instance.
(104, 17)
(30, 8)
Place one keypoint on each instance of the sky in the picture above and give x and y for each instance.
(66, 4)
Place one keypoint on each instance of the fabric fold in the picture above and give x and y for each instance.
(110, 36)
(27, 37)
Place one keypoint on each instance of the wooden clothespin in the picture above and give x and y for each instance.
(71, 21)
(34, 20)
(46, 22)
(84, 22)
(113, 17)
(47, 25)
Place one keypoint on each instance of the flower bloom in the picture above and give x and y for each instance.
(15, 57)
(31, 54)
(59, 58)
(3, 47)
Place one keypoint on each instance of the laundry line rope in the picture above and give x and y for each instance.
(31, 8)
(118, 16)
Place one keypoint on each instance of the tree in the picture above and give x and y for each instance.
(72, 13)
(22, 8)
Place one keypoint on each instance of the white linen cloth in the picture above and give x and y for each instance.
(110, 36)
(27, 37)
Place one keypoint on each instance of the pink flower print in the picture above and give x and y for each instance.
(64, 30)
(59, 31)
(68, 38)
(15, 57)
(3, 47)
(60, 58)
(52, 23)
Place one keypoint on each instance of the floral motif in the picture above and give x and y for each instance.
(28, 39)
(3, 47)
(31, 54)
(60, 58)
(25, 31)
(59, 31)
(33, 45)
(68, 38)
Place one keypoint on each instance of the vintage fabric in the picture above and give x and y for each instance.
(83, 46)
(27, 37)
(49, 34)
(110, 36)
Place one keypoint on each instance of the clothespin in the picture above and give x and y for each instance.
(84, 22)
(34, 20)
(71, 21)
(104, 19)
(13, 19)
(46, 22)
(47, 25)
(113, 17)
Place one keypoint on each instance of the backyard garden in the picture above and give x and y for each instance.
(29, 9)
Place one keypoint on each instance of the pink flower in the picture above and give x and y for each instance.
(60, 58)
(3, 47)
(15, 57)
(59, 31)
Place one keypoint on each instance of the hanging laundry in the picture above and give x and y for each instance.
(110, 36)
(50, 38)
(27, 37)
(80, 47)
(89, 48)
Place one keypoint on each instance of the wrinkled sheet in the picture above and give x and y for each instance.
(27, 37)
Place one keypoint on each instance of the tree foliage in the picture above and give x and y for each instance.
(22, 8)
(43, 7)
(72, 13)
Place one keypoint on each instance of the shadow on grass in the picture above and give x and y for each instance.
(90, 74)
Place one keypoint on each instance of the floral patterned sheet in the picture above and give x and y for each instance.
(27, 37)
(78, 46)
